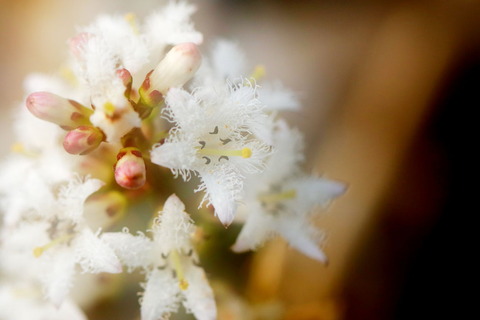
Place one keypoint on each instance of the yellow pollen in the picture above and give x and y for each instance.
(277, 197)
(177, 266)
(109, 108)
(183, 284)
(38, 251)
(67, 74)
(259, 72)
(244, 153)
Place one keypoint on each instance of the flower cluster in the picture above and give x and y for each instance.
(142, 99)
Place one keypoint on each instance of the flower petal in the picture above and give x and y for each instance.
(58, 270)
(257, 229)
(132, 251)
(94, 255)
(222, 190)
(302, 236)
(161, 295)
(73, 196)
(199, 297)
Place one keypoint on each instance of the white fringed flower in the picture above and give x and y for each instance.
(67, 241)
(227, 62)
(281, 199)
(23, 301)
(33, 170)
(218, 135)
(99, 52)
(113, 45)
(173, 275)
(170, 26)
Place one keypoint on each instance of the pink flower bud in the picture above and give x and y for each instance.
(178, 66)
(83, 140)
(130, 168)
(68, 114)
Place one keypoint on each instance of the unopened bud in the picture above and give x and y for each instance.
(103, 210)
(178, 66)
(130, 168)
(68, 114)
(83, 140)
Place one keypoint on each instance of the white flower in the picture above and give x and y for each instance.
(173, 276)
(281, 199)
(23, 301)
(228, 63)
(42, 166)
(277, 97)
(104, 52)
(66, 241)
(171, 26)
(99, 53)
(218, 135)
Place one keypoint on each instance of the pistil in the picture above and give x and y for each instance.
(38, 251)
(244, 152)
(277, 197)
(177, 266)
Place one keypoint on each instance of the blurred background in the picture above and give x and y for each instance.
(387, 88)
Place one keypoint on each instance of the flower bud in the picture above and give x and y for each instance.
(83, 140)
(103, 210)
(68, 114)
(130, 168)
(177, 67)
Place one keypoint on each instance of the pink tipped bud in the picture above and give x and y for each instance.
(127, 80)
(130, 168)
(83, 140)
(125, 76)
(178, 66)
(68, 114)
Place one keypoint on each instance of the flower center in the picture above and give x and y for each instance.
(221, 153)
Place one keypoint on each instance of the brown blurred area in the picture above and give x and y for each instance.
(387, 88)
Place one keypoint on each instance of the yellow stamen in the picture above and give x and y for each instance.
(259, 72)
(244, 152)
(177, 266)
(38, 251)
(67, 74)
(277, 197)
(131, 18)
(109, 108)
(19, 148)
